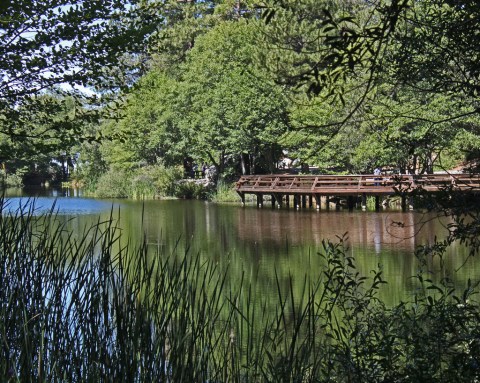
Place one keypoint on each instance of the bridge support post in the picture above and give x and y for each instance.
(377, 203)
(304, 201)
(310, 201)
(318, 201)
(364, 202)
(404, 202)
(296, 201)
(279, 200)
(327, 202)
(273, 200)
(350, 202)
(259, 200)
(287, 201)
(242, 197)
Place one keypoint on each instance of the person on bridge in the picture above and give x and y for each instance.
(377, 172)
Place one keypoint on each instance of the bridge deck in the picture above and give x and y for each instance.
(353, 185)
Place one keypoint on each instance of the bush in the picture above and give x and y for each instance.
(156, 181)
(12, 180)
(190, 189)
(114, 184)
(143, 183)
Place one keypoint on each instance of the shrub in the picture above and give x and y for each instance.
(13, 180)
(146, 182)
(114, 184)
(156, 181)
(190, 189)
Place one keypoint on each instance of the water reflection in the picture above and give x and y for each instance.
(257, 243)
(261, 242)
(392, 229)
(60, 206)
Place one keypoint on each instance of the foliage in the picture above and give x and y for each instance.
(416, 44)
(99, 308)
(56, 43)
(115, 183)
(184, 22)
(437, 35)
(33, 141)
(151, 128)
(225, 193)
(147, 182)
(233, 109)
(215, 108)
(190, 189)
(156, 181)
(90, 166)
(10, 180)
(406, 132)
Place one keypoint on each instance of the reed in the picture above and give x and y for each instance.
(99, 308)
(226, 193)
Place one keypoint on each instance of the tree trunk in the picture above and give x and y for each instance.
(245, 166)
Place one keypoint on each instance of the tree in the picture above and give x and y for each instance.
(51, 43)
(232, 109)
(31, 153)
(184, 22)
(404, 131)
(150, 131)
(426, 45)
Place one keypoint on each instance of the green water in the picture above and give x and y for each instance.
(257, 244)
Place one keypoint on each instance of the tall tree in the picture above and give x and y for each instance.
(184, 22)
(150, 130)
(233, 109)
(44, 44)
(429, 45)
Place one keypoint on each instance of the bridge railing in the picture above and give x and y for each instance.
(431, 182)
(361, 183)
(311, 183)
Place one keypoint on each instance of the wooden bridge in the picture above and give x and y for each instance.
(349, 187)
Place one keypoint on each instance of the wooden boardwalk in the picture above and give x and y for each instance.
(349, 187)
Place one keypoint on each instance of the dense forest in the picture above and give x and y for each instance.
(123, 100)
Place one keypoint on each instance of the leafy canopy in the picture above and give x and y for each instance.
(45, 45)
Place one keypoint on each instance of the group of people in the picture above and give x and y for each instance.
(196, 173)
(192, 169)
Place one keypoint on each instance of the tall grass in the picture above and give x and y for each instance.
(98, 308)
(225, 193)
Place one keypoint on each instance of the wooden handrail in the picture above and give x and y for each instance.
(360, 182)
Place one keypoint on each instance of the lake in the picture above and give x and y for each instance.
(256, 244)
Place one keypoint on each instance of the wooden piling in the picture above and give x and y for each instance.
(259, 200)
(318, 201)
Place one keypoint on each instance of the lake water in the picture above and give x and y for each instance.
(255, 244)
